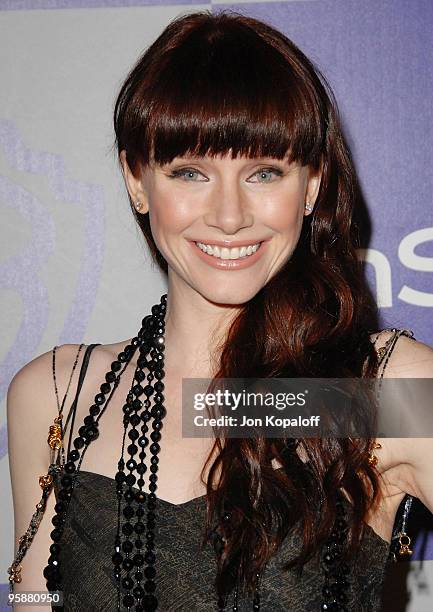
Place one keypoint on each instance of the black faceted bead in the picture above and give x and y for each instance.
(137, 390)
(134, 420)
(56, 534)
(105, 388)
(127, 583)
(110, 377)
(138, 592)
(120, 477)
(150, 572)
(155, 436)
(143, 441)
(131, 464)
(127, 529)
(148, 390)
(154, 448)
(83, 431)
(94, 410)
(328, 558)
(57, 520)
(150, 558)
(79, 442)
(70, 467)
(99, 399)
(74, 455)
(127, 546)
(127, 564)
(158, 412)
(128, 512)
(138, 560)
(130, 480)
(117, 558)
(64, 495)
(66, 481)
(92, 432)
(116, 366)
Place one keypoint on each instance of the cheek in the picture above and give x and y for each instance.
(168, 218)
(285, 214)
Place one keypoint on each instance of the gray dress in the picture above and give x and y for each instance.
(185, 574)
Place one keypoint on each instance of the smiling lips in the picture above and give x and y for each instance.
(239, 256)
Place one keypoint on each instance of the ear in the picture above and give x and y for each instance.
(313, 186)
(134, 186)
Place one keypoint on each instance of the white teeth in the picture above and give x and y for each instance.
(225, 253)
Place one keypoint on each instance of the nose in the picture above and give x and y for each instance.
(229, 211)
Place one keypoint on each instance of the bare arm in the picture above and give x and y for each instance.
(406, 464)
(31, 409)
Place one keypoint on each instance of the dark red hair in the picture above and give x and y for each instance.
(215, 83)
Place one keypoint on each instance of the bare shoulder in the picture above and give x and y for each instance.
(31, 391)
(410, 358)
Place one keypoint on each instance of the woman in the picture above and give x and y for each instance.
(240, 180)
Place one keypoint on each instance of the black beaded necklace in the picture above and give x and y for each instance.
(134, 556)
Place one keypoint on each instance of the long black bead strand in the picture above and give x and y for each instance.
(89, 432)
(125, 561)
(140, 585)
(336, 572)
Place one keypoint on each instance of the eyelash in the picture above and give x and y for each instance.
(183, 171)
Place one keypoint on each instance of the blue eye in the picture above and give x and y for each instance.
(267, 173)
(186, 173)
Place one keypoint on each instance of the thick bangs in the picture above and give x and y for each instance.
(220, 91)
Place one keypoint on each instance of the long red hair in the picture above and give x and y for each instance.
(211, 83)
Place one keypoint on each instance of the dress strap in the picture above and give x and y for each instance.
(384, 352)
(73, 408)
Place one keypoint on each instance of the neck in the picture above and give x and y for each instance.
(194, 331)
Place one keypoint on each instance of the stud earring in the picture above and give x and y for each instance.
(138, 206)
(308, 206)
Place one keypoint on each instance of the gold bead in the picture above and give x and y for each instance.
(55, 436)
(45, 481)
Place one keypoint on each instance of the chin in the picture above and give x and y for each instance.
(228, 294)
